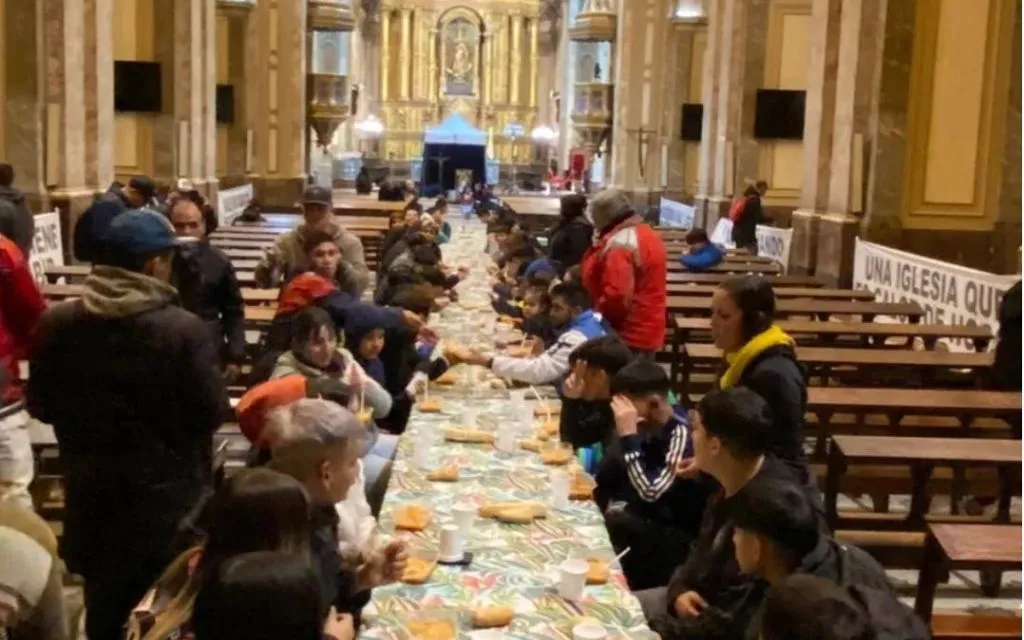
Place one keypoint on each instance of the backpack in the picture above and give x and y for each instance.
(737, 209)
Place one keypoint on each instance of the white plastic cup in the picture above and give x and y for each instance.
(420, 448)
(463, 516)
(572, 578)
(506, 440)
(559, 489)
(451, 544)
(589, 631)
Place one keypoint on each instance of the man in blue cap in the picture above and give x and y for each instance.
(131, 385)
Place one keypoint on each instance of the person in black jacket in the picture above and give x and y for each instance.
(775, 536)
(319, 443)
(131, 384)
(364, 186)
(571, 236)
(209, 287)
(708, 597)
(95, 220)
(587, 421)
(408, 367)
(16, 222)
(761, 357)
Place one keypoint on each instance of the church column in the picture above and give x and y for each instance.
(516, 59)
(534, 61)
(99, 94)
(818, 132)
(404, 55)
(25, 94)
(385, 53)
(241, 74)
(279, 109)
(485, 64)
(432, 66)
(709, 145)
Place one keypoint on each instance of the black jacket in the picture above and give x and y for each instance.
(94, 223)
(16, 221)
(337, 584)
(587, 422)
(209, 289)
(777, 377)
(568, 241)
(363, 183)
(711, 570)
(1006, 370)
(134, 402)
(401, 362)
(744, 230)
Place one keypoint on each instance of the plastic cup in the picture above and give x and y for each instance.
(464, 515)
(451, 544)
(559, 489)
(589, 631)
(573, 577)
(420, 448)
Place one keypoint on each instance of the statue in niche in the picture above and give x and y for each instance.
(460, 46)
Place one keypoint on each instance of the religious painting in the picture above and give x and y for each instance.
(460, 48)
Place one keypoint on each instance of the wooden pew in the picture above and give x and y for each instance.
(735, 267)
(820, 293)
(821, 309)
(244, 254)
(975, 626)
(866, 333)
(250, 295)
(823, 361)
(951, 547)
(718, 278)
(921, 455)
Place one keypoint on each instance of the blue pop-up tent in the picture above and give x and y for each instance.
(464, 146)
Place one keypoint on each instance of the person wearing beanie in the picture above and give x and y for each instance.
(131, 383)
(625, 273)
(572, 234)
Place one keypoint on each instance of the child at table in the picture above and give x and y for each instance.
(537, 329)
(587, 421)
(649, 509)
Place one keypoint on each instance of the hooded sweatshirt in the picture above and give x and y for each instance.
(287, 258)
(552, 365)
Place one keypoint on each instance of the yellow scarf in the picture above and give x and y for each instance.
(738, 360)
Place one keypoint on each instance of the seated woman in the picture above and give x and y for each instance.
(267, 595)
(254, 510)
(319, 443)
(315, 353)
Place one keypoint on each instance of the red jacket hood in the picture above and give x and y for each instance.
(302, 291)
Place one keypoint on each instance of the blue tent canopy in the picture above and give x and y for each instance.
(455, 130)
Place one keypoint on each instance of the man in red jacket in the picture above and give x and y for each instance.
(625, 273)
(21, 305)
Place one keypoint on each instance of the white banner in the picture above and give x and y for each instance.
(47, 246)
(675, 214)
(948, 293)
(722, 235)
(232, 202)
(774, 243)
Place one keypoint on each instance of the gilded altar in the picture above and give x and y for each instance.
(439, 57)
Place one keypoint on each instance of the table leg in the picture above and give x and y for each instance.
(928, 578)
(919, 497)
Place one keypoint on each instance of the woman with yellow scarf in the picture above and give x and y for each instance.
(760, 356)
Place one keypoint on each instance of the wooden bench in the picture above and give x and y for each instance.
(250, 295)
(823, 361)
(921, 455)
(820, 309)
(964, 546)
(244, 254)
(733, 267)
(777, 280)
(866, 333)
(972, 626)
(683, 288)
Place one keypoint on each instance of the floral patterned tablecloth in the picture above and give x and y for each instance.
(512, 564)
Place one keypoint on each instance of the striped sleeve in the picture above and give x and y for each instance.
(651, 481)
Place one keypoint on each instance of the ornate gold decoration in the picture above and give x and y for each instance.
(597, 22)
(592, 113)
(331, 15)
(328, 104)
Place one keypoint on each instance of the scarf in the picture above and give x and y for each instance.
(738, 360)
(113, 292)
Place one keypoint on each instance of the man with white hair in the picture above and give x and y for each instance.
(625, 273)
(320, 443)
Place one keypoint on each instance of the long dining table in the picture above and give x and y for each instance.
(512, 564)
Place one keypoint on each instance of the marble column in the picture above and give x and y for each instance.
(240, 71)
(819, 117)
(485, 64)
(516, 73)
(279, 106)
(24, 112)
(432, 66)
(704, 202)
(99, 93)
(1006, 232)
(385, 54)
(534, 61)
(679, 58)
(641, 74)
(404, 54)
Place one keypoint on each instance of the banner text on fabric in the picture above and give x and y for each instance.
(47, 246)
(948, 293)
(772, 242)
(675, 214)
(232, 202)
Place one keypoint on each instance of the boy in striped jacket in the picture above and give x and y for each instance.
(651, 511)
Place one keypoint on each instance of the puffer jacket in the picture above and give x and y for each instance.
(21, 306)
(287, 259)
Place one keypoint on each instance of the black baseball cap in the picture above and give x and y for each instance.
(144, 185)
(317, 195)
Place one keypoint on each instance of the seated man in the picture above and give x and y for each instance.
(587, 421)
(650, 510)
(575, 322)
(776, 536)
(708, 596)
(701, 253)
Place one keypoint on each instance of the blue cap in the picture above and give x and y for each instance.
(140, 232)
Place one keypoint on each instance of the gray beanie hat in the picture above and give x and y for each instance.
(608, 206)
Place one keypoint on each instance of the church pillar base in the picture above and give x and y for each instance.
(804, 251)
(837, 234)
